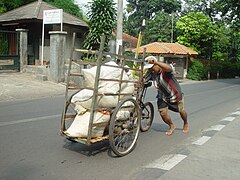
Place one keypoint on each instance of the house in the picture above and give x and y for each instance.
(30, 18)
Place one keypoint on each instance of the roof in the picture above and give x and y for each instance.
(128, 38)
(166, 48)
(34, 10)
(132, 40)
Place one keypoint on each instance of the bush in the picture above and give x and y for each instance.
(229, 70)
(197, 71)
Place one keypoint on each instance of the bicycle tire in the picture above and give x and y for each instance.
(147, 116)
(123, 133)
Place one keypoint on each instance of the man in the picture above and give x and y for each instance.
(170, 95)
(172, 64)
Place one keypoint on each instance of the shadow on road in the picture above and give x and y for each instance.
(86, 150)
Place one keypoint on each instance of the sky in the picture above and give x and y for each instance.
(81, 3)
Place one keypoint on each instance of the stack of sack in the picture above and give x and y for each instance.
(83, 99)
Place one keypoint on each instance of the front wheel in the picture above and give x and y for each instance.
(147, 116)
(124, 127)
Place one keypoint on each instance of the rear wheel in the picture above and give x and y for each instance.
(124, 127)
(147, 116)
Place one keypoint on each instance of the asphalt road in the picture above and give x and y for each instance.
(31, 147)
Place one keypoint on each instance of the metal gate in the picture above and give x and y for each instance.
(9, 58)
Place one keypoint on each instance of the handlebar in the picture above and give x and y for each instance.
(143, 92)
(147, 84)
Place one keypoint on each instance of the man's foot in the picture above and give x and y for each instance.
(171, 130)
(185, 128)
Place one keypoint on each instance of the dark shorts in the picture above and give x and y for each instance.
(176, 107)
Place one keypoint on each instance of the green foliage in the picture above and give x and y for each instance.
(6, 5)
(146, 9)
(204, 36)
(2, 8)
(160, 31)
(196, 31)
(209, 8)
(102, 18)
(197, 71)
(234, 47)
(229, 70)
(224, 14)
(229, 9)
(149, 8)
(68, 6)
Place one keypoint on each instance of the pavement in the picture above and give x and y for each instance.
(17, 86)
(209, 157)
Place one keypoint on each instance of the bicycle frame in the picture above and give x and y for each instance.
(143, 93)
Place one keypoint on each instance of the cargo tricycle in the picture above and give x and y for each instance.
(104, 99)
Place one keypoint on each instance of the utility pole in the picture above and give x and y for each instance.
(172, 28)
(140, 38)
(139, 42)
(119, 25)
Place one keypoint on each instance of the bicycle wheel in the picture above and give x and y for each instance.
(124, 127)
(147, 116)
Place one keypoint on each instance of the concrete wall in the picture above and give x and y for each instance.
(70, 31)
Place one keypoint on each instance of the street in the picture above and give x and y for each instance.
(32, 148)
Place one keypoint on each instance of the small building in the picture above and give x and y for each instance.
(168, 53)
(30, 18)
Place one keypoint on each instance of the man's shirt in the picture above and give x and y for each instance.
(167, 85)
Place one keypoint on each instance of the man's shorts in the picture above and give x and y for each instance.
(176, 107)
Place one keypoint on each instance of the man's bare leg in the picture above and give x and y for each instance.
(167, 119)
(183, 115)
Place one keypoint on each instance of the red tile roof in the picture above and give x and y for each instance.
(128, 38)
(166, 48)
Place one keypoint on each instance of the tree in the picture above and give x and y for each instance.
(234, 47)
(224, 14)
(230, 12)
(201, 34)
(230, 9)
(159, 29)
(147, 9)
(207, 7)
(6, 5)
(102, 17)
(67, 5)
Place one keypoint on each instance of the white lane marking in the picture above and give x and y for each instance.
(28, 120)
(228, 119)
(167, 162)
(201, 140)
(236, 113)
(215, 128)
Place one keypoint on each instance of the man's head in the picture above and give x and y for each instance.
(150, 64)
(151, 59)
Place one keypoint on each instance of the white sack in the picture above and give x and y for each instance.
(79, 127)
(84, 97)
(123, 115)
(105, 73)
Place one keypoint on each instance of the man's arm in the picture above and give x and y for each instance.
(164, 66)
